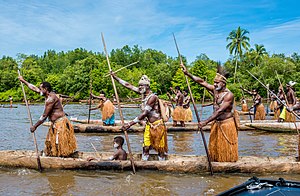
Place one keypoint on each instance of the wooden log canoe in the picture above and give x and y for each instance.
(8, 106)
(276, 126)
(190, 127)
(174, 163)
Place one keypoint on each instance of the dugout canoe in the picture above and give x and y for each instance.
(174, 163)
(8, 106)
(190, 127)
(276, 126)
(251, 113)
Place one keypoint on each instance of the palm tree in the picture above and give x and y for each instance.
(239, 41)
(258, 53)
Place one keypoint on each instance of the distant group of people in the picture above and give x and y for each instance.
(281, 104)
(223, 141)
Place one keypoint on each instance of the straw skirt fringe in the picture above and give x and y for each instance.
(60, 140)
(223, 141)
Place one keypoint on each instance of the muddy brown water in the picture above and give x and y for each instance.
(15, 135)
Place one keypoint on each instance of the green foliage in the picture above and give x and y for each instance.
(71, 72)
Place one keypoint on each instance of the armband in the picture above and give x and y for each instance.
(31, 85)
(42, 118)
(111, 158)
(136, 120)
(148, 108)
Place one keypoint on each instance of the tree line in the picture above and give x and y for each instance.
(71, 72)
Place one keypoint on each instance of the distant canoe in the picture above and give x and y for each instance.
(99, 128)
(31, 104)
(8, 106)
(174, 163)
(276, 126)
(251, 113)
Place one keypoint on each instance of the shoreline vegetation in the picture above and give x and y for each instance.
(68, 72)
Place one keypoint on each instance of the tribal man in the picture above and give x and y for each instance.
(179, 112)
(259, 109)
(155, 134)
(186, 106)
(291, 100)
(107, 109)
(60, 140)
(223, 141)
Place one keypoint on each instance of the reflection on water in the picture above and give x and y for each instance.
(15, 135)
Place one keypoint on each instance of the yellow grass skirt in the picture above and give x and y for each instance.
(223, 141)
(260, 112)
(155, 135)
(178, 114)
(60, 140)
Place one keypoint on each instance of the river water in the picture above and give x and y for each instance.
(15, 135)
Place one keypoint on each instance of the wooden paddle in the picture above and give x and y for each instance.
(31, 124)
(196, 111)
(119, 105)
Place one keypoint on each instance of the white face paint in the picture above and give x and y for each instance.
(218, 85)
(116, 145)
(41, 93)
(142, 89)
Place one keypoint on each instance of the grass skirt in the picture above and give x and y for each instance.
(245, 107)
(155, 135)
(260, 113)
(289, 116)
(223, 141)
(188, 115)
(178, 114)
(107, 110)
(60, 140)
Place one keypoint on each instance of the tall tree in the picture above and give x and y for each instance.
(238, 42)
(258, 52)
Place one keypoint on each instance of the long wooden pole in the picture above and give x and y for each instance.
(122, 68)
(119, 105)
(203, 99)
(90, 99)
(196, 111)
(33, 134)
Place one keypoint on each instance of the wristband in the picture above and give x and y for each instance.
(136, 120)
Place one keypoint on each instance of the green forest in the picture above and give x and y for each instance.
(70, 72)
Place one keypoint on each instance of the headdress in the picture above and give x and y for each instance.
(291, 83)
(144, 80)
(220, 78)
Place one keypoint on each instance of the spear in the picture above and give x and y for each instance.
(196, 111)
(122, 68)
(119, 105)
(33, 134)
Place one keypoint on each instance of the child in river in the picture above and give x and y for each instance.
(120, 153)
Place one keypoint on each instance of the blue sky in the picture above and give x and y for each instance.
(33, 27)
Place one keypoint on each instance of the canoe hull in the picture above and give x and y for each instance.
(174, 163)
(276, 127)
